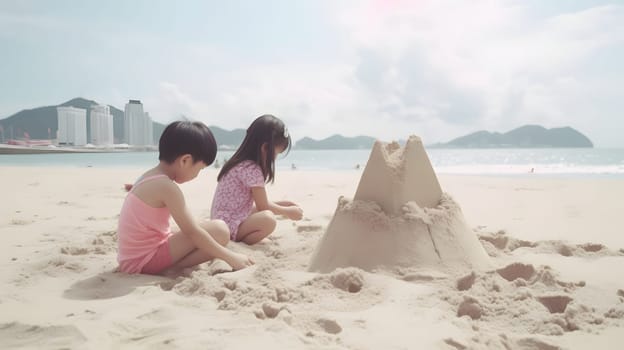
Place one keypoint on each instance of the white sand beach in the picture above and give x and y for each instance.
(556, 247)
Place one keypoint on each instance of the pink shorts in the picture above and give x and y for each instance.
(160, 261)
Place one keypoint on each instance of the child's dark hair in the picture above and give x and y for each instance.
(268, 130)
(185, 137)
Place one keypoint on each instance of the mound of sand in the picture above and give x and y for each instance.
(399, 217)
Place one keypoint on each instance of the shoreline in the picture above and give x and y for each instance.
(559, 164)
(16, 149)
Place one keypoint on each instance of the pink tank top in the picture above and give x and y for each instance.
(142, 229)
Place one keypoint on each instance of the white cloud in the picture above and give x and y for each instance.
(483, 64)
(434, 68)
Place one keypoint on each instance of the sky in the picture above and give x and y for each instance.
(388, 69)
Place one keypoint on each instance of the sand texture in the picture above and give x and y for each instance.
(553, 279)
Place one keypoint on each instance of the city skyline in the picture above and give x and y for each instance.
(437, 69)
(73, 128)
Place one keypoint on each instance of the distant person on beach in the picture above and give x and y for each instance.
(240, 198)
(146, 243)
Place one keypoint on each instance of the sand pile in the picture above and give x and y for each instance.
(399, 217)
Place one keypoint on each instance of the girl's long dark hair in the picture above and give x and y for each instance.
(268, 130)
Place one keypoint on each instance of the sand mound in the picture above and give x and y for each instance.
(399, 217)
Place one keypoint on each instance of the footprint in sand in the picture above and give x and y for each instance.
(329, 326)
(592, 247)
(470, 307)
(555, 303)
(517, 270)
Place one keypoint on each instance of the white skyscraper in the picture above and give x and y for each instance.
(149, 130)
(137, 125)
(72, 126)
(101, 125)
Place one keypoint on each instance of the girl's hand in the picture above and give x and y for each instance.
(239, 261)
(293, 212)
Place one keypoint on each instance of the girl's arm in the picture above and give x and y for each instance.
(174, 200)
(285, 208)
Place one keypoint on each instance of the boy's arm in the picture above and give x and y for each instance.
(174, 200)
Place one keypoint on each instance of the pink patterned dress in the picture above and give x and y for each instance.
(232, 200)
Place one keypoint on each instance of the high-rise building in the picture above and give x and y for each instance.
(149, 130)
(137, 125)
(72, 126)
(101, 125)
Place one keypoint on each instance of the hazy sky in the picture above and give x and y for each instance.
(438, 69)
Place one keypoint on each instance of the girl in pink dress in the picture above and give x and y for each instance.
(145, 241)
(240, 198)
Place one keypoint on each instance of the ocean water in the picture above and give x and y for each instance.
(583, 162)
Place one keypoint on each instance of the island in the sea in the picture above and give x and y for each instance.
(528, 136)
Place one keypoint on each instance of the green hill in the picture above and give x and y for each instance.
(528, 136)
(36, 121)
(228, 139)
(336, 142)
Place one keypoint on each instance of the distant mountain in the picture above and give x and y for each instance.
(336, 142)
(528, 136)
(228, 139)
(36, 121)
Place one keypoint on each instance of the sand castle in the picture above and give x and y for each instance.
(399, 217)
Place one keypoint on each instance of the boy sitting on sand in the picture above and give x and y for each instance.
(146, 243)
